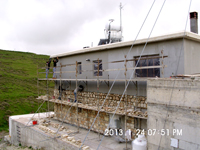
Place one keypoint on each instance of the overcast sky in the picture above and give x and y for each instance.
(58, 26)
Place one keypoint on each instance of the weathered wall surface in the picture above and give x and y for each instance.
(89, 107)
(86, 118)
(31, 136)
(92, 98)
(171, 48)
(192, 55)
(173, 108)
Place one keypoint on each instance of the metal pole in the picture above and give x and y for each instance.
(61, 92)
(125, 64)
(70, 88)
(108, 86)
(108, 82)
(70, 97)
(86, 98)
(87, 102)
(120, 6)
(162, 64)
(77, 97)
(48, 98)
(111, 20)
(38, 91)
(136, 94)
(98, 97)
(109, 34)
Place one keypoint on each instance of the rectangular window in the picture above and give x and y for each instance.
(97, 68)
(148, 61)
(79, 68)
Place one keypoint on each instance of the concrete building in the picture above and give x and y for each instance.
(96, 68)
(111, 56)
(160, 59)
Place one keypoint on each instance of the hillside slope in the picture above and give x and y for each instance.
(18, 84)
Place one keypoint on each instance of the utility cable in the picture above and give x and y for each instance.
(117, 75)
(132, 72)
(99, 110)
(34, 114)
(176, 72)
(60, 124)
(64, 118)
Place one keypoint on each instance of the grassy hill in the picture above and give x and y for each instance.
(18, 84)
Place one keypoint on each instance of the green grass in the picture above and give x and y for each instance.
(18, 84)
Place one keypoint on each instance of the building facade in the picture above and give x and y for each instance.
(96, 69)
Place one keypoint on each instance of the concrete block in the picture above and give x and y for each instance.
(180, 117)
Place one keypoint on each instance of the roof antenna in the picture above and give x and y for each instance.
(120, 7)
(109, 32)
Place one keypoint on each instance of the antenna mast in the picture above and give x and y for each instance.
(120, 7)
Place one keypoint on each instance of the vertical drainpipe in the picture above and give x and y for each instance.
(194, 22)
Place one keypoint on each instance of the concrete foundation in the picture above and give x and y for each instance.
(41, 136)
(31, 136)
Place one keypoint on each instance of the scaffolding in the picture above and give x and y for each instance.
(84, 100)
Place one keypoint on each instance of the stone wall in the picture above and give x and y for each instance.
(91, 98)
(88, 109)
(85, 116)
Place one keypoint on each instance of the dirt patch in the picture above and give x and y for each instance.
(6, 146)
(2, 134)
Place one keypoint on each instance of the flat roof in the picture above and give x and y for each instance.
(188, 35)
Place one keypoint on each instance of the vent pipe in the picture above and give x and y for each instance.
(194, 22)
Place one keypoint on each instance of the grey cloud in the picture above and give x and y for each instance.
(62, 24)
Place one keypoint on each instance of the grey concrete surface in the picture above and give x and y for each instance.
(173, 108)
(170, 44)
(36, 138)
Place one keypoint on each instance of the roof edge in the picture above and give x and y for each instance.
(188, 35)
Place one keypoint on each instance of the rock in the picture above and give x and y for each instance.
(86, 148)
(73, 141)
(70, 138)
(65, 136)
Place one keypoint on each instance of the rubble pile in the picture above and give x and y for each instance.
(47, 130)
(65, 137)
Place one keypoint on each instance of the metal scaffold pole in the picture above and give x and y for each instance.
(77, 96)
(38, 91)
(70, 95)
(98, 99)
(70, 87)
(87, 102)
(86, 84)
(48, 98)
(125, 73)
(162, 64)
(61, 90)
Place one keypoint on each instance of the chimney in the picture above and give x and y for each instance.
(194, 22)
